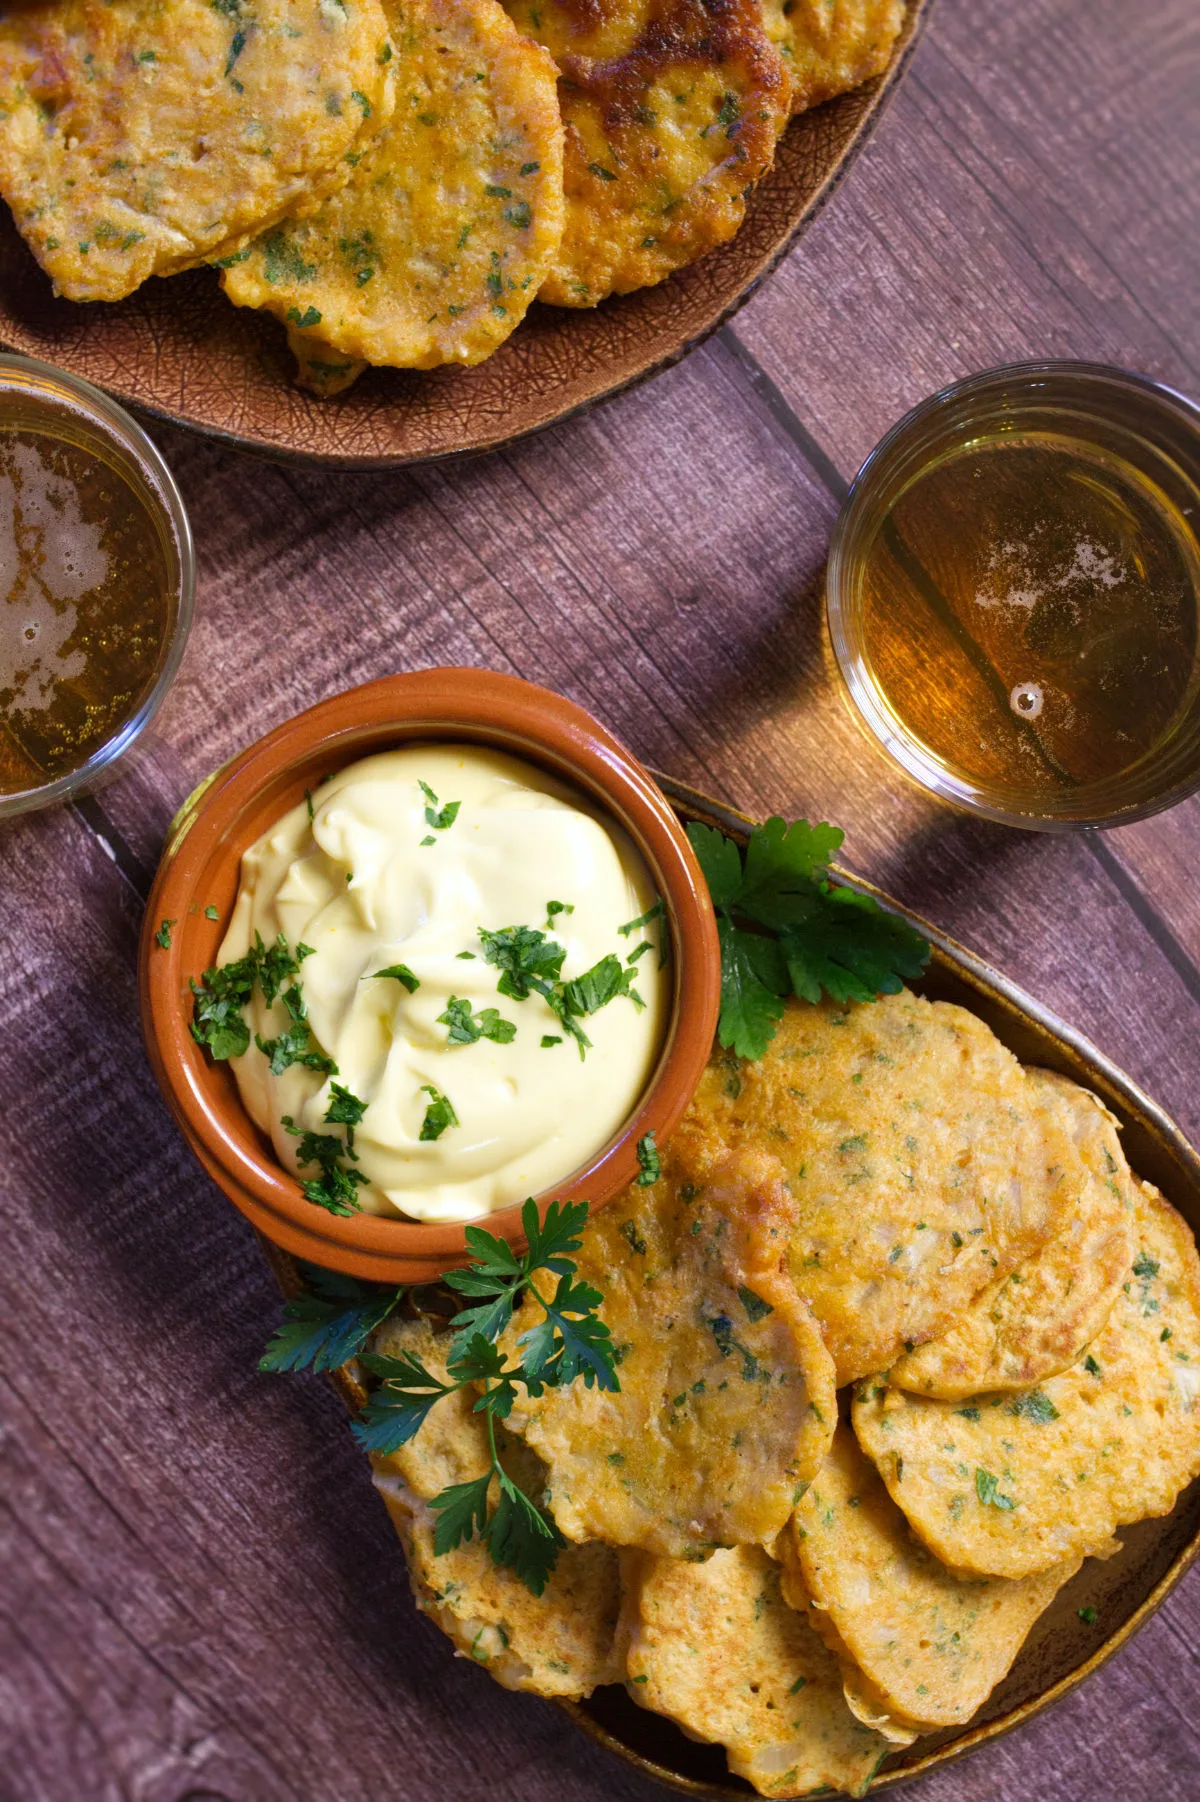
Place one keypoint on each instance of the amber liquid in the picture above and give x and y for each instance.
(1030, 613)
(83, 605)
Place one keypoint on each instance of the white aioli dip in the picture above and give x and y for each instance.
(362, 885)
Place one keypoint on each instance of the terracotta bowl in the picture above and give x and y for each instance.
(201, 865)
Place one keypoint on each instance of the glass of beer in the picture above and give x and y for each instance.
(1013, 595)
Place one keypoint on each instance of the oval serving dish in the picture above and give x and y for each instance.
(178, 350)
(1125, 1590)
(1061, 1649)
(201, 868)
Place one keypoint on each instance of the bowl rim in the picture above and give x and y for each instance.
(1024, 383)
(235, 805)
(31, 375)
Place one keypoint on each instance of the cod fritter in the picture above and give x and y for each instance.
(726, 1404)
(139, 136)
(931, 1643)
(1038, 1320)
(1009, 1485)
(831, 46)
(557, 1644)
(715, 1647)
(435, 248)
(921, 1161)
(672, 110)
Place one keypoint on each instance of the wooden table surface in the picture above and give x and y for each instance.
(201, 1596)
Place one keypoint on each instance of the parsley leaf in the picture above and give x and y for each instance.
(467, 1027)
(987, 1488)
(334, 1189)
(440, 818)
(785, 928)
(530, 963)
(345, 1110)
(526, 958)
(648, 1158)
(397, 1410)
(1034, 1405)
(162, 937)
(461, 1511)
(329, 1323)
(400, 973)
(438, 1115)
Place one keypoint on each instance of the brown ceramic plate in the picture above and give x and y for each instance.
(178, 350)
(1062, 1649)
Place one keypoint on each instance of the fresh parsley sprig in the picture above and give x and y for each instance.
(329, 1323)
(786, 928)
(569, 1342)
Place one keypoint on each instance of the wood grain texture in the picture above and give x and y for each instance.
(200, 1598)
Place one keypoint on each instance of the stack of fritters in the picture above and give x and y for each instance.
(397, 180)
(887, 1202)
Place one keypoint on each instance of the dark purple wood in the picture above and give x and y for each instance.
(200, 1596)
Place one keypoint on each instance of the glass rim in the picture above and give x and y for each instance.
(45, 380)
(899, 744)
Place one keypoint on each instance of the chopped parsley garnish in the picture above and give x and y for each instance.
(221, 995)
(649, 1160)
(335, 1188)
(571, 1341)
(438, 1115)
(398, 973)
(1091, 1366)
(345, 1110)
(210, 912)
(162, 937)
(756, 1308)
(295, 1046)
(652, 913)
(1088, 1616)
(1145, 1267)
(987, 1488)
(530, 963)
(551, 1038)
(785, 928)
(440, 818)
(1034, 1405)
(554, 908)
(467, 1027)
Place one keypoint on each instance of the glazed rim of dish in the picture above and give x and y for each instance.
(201, 868)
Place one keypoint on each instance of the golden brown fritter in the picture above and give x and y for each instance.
(931, 1642)
(726, 1402)
(921, 1161)
(672, 109)
(1039, 1318)
(557, 1644)
(138, 136)
(715, 1647)
(435, 248)
(831, 46)
(1009, 1485)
